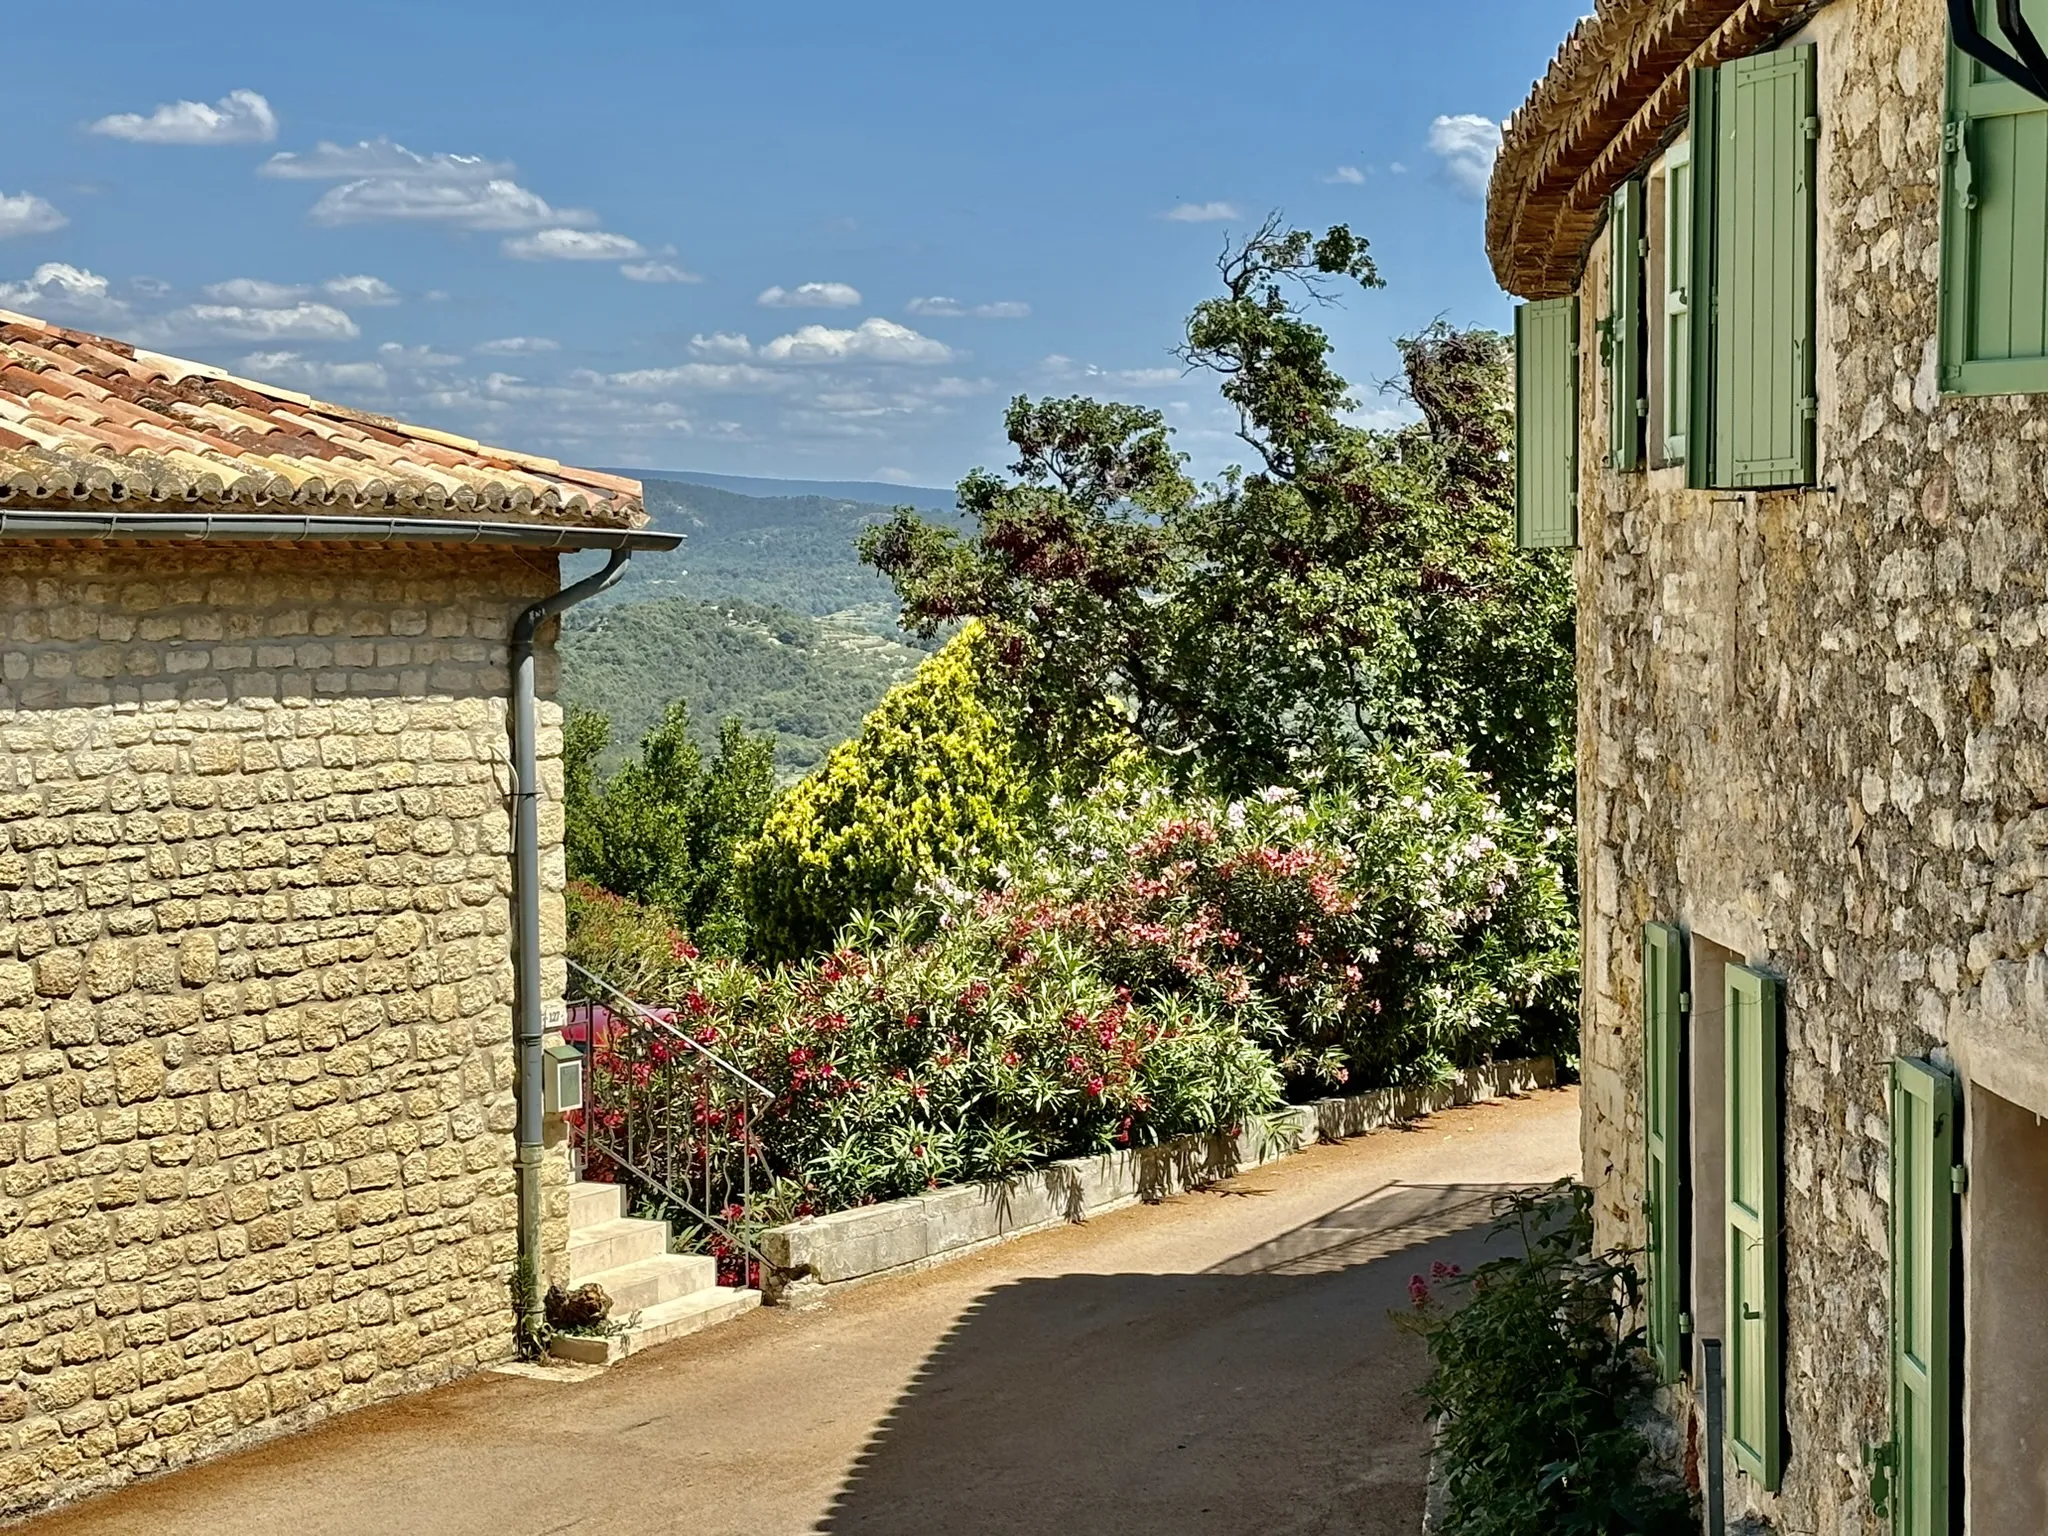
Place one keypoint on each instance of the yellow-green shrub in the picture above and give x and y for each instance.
(935, 783)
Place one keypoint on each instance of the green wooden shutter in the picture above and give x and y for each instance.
(1923, 1244)
(1547, 424)
(1677, 312)
(1755, 1343)
(1626, 406)
(1994, 243)
(1755, 420)
(1663, 1057)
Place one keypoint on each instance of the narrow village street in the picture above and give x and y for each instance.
(1224, 1362)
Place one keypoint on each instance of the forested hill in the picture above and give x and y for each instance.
(808, 680)
(793, 551)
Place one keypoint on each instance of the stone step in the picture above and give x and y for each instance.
(650, 1282)
(657, 1325)
(613, 1245)
(591, 1203)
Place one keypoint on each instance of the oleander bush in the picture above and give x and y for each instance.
(923, 1053)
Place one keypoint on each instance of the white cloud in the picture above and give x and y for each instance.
(1203, 213)
(517, 346)
(872, 341)
(944, 308)
(249, 322)
(1346, 176)
(383, 182)
(716, 378)
(360, 288)
(240, 117)
(27, 214)
(297, 372)
(381, 158)
(571, 245)
(59, 288)
(658, 272)
(400, 355)
(253, 290)
(462, 205)
(810, 296)
(1060, 369)
(1467, 146)
(725, 344)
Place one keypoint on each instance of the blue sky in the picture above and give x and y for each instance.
(804, 240)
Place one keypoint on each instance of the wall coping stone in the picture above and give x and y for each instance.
(809, 1260)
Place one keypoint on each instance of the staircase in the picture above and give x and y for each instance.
(656, 1295)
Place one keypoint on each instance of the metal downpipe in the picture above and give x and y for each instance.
(526, 984)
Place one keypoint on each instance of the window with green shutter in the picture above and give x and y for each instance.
(1755, 133)
(1664, 1151)
(1547, 424)
(1994, 240)
(1626, 406)
(1755, 1323)
(1676, 316)
(1923, 1248)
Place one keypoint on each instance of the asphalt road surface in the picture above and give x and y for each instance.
(1224, 1362)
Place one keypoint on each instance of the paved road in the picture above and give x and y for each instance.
(1221, 1363)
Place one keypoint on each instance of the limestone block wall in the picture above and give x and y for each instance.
(1814, 728)
(255, 980)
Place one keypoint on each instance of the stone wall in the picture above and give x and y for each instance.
(1814, 729)
(255, 981)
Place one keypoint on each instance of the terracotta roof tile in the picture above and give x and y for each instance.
(88, 420)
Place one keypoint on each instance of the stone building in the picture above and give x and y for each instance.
(1781, 380)
(260, 1117)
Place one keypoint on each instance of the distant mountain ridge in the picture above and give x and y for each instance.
(795, 552)
(881, 493)
(766, 613)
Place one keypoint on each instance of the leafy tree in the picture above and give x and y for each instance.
(665, 828)
(1355, 588)
(933, 784)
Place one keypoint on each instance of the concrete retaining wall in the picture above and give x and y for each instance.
(813, 1257)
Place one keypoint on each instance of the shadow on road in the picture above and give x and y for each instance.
(1273, 1394)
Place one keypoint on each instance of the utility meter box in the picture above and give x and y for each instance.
(562, 1079)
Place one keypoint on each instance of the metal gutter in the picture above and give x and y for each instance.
(263, 528)
(527, 1027)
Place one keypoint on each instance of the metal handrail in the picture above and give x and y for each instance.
(668, 1132)
(669, 1025)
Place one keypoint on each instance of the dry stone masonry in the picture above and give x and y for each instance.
(255, 1037)
(1814, 728)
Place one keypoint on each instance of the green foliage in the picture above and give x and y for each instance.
(1535, 1382)
(806, 681)
(665, 828)
(934, 783)
(1358, 588)
(1393, 929)
(926, 1053)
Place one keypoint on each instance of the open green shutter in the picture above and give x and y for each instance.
(1626, 405)
(1923, 1245)
(1663, 955)
(1547, 424)
(1755, 1343)
(1994, 313)
(1677, 290)
(1755, 236)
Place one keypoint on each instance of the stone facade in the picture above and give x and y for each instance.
(1814, 730)
(255, 1028)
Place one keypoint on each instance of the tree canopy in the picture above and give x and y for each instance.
(1353, 588)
